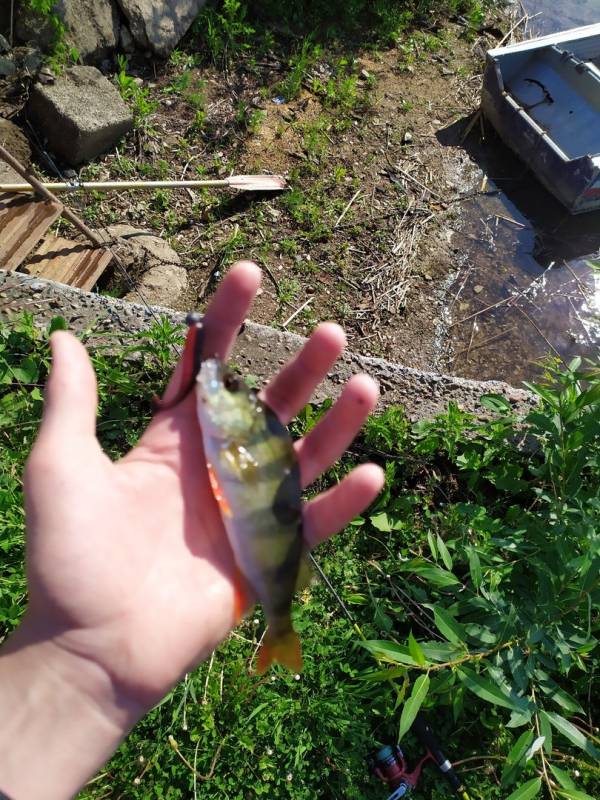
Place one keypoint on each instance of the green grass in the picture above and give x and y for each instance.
(477, 572)
(139, 99)
(233, 27)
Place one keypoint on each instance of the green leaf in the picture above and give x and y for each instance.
(448, 626)
(474, 566)
(257, 710)
(573, 734)
(562, 777)
(27, 371)
(57, 324)
(389, 651)
(560, 697)
(574, 794)
(537, 745)
(515, 760)
(415, 650)
(527, 790)
(383, 674)
(546, 731)
(495, 402)
(490, 692)
(432, 547)
(413, 704)
(444, 554)
(381, 522)
(440, 651)
(519, 718)
(435, 575)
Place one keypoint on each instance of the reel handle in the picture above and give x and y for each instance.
(422, 729)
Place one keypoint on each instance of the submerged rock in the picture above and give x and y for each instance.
(8, 68)
(80, 116)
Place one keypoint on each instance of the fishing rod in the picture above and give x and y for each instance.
(389, 764)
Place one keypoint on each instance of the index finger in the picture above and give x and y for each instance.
(228, 309)
(222, 320)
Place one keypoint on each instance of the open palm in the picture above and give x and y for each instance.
(129, 566)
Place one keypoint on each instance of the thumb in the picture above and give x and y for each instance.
(71, 397)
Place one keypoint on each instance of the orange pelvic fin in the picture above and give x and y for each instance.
(240, 597)
(217, 492)
(284, 650)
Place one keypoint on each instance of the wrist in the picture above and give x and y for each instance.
(61, 719)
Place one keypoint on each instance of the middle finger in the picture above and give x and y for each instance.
(328, 440)
(291, 389)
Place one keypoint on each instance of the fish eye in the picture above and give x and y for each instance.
(231, 382)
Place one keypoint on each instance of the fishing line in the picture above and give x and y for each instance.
(331, 588)
(109, 244)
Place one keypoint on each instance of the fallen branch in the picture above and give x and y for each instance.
(542, 334)
(484, 343)
(297, 311)
(347, 208)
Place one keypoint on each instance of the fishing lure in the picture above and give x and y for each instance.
(255, 478)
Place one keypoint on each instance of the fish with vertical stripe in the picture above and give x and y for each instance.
(256, 481)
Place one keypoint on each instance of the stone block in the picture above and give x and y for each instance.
(92, 27)
(80, 116)
(160, 24)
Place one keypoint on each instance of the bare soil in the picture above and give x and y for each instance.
(365, 233)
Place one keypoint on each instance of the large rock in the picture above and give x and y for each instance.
(80, 116)
(92, 27)
(160, 24)
(13, 140)
(151, 263)
(24, 62)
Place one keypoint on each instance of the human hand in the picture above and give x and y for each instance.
(129, 568)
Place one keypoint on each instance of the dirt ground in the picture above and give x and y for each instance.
(365, 233)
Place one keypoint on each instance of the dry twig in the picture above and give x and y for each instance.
(297, 311)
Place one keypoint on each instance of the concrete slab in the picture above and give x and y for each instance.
(80, 116)
(259, 351)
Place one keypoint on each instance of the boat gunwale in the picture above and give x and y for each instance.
(570, 35)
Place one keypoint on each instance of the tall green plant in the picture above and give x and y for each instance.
(474, 580)
(61, 52)
(507, 578)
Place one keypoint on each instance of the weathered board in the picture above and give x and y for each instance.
(24, 219)
(77, 264)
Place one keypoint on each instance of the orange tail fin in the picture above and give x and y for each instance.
(284, 650)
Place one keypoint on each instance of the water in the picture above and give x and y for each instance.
(558, 15)
(525, 289)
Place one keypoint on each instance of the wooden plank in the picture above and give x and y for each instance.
(24, 219)
(90, 273)
(77, 264)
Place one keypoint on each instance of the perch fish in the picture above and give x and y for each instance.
(255, 478)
